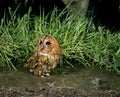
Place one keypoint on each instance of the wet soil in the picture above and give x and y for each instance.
(80, 82)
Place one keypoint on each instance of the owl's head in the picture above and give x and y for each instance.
(48, 44)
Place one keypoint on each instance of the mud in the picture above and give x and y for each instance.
(80, 82)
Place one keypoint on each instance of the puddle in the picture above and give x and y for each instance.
(89, 79)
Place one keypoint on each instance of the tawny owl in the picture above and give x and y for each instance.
(46, 57)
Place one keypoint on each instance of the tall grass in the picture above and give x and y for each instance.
(81, 43)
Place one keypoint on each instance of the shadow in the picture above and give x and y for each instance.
(105, 13)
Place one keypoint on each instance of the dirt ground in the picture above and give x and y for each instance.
(53, 92)
(92, 82)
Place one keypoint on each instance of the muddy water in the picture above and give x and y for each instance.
(90, 79)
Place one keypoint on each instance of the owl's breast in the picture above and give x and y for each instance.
(43, 54)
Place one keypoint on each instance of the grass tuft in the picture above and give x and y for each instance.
(81, 43)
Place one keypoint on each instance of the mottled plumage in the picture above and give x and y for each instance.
(46, 56)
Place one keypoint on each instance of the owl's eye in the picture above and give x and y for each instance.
(48, 43)
(40, 42)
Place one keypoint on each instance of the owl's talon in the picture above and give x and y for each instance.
(31, 70)
(42, 76)
(47, 74)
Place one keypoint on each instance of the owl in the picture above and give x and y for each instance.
(46, 56)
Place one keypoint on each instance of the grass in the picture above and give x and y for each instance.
(81, 43)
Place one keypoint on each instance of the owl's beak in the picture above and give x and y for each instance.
(42, 46)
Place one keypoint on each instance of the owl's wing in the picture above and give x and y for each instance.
(56, 51)
(31, 61)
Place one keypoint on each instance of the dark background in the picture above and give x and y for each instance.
(104, 12)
